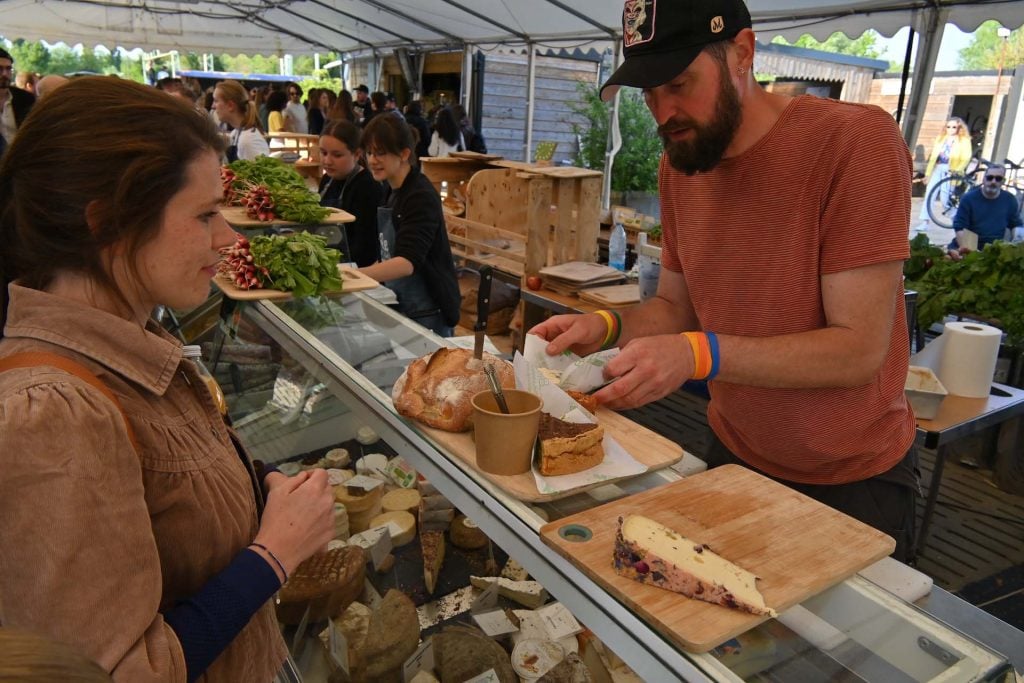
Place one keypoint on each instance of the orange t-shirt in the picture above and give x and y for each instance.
(827, 189)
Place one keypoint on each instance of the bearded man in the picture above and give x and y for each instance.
(15, 103)
(784, 232)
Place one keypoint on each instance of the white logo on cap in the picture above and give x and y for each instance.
(717, 25)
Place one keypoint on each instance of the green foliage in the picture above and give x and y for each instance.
(636, 164)
(292, 199)
(864, 46)
(988, 284)
(61, 59)
(299, 263)
(987, 49)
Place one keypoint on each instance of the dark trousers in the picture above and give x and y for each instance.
(886, 502)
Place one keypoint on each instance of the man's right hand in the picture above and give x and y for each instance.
(581, 334)
(298, 520)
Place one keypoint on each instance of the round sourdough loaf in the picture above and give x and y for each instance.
(437, 389)
(326, 583)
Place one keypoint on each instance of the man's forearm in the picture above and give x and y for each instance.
(653, 317)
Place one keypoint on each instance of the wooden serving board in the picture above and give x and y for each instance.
(649, 449)
(579, 271)
(352, 281)
(475, 156)
(797, 546)
(235, 216)
(619, 295)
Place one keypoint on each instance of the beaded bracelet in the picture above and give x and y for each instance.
(614, 323)
(273, 557)
(705, 354)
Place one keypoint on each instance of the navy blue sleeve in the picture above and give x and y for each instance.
(208, 621)
(962, 220)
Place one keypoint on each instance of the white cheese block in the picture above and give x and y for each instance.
(527, 593)
(366, 436)
(401, 525)
(340, 522)
(654, 554)
(514, 571)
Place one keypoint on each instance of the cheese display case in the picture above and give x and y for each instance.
(305, 378)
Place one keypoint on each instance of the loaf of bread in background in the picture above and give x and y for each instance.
(437, 389)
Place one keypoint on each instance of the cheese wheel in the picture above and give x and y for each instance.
(340, 522)
(366, 436)
(465, 534)
(401, 524)
(361, 508)
(289, 469)
(401, 500)
(337, 457)
(373, 465)
(338, 477)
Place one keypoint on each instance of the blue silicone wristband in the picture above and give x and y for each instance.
(715, 355)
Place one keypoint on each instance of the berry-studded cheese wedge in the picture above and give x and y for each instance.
(651, 553)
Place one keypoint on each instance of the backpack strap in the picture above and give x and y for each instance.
(32, 359)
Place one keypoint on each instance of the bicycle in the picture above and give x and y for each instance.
(944, 199)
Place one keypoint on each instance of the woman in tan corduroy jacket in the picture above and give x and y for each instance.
(131, 527)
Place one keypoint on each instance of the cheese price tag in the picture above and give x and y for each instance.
(337, 646)
(495, 623)
(381, 547)
(421, 660)
(489, 676)
(558, 621)
(361, 481)
(486, 601)
(371, 598)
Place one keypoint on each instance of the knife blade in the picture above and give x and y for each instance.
(483, 308)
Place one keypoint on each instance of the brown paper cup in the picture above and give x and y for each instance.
(504, 443)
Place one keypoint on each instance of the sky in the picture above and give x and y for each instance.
(953, 40)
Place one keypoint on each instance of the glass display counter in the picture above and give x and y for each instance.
(308, 374)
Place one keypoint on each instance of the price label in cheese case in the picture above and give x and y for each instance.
(299, 641)
(337, 646)
(558, 621)
(487, 600)
(363, 482)
(421, 660)
(494, 623)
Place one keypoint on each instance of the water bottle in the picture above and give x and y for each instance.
(617, 248)
(195, 353)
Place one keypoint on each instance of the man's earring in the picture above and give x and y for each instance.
(740, 72)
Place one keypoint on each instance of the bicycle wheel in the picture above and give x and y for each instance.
(944, 199)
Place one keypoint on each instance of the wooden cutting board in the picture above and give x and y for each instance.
(619, 295)
(579, 271)
(237, 218)
(797, 546)
(352, 281)
(648, 448)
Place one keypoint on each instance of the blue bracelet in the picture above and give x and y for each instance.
(715, 355)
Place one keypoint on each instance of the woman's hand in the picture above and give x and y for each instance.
(298, 520)
(647, 369)
(581, 334)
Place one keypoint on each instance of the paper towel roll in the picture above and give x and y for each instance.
(968, 358)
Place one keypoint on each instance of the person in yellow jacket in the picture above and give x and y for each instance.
(951, 153)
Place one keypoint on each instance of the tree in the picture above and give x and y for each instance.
(864, 46)
(986, 49)
(636, 164)
(30, 56)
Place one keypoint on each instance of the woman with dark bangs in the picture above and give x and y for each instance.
(348, 186)
(416, 258)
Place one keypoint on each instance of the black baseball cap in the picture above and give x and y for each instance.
(362, 88)
(661, 37)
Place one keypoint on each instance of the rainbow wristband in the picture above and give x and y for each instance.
(705, 354)
(614, 323)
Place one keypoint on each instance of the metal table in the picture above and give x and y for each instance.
(959, 417)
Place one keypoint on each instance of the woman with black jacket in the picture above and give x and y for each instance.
(348, 186)
(416, 258)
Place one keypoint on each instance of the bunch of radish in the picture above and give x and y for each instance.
(227, 179)
(259, 204)
(238, 265)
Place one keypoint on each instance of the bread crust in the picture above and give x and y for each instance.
(437, 389)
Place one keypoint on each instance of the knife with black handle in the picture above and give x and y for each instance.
(483, 308)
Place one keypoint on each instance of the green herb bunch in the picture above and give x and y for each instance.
(299, 263)
(986, 284)
(289, 197)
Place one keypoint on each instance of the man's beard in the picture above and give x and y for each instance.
(710, 140)
(990, 192)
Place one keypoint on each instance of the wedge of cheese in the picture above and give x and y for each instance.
(654, 554)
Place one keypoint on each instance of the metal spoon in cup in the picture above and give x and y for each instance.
(499, 395)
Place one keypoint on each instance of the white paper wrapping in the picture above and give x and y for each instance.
(617, 461)
(963, 357)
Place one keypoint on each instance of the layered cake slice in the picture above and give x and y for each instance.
(654, 554)
(568, 447)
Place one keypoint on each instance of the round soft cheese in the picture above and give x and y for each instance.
(366, 436)
(339, 477)
(373, 465)
(402, 526)
(465, 534)
(289, 469)
(337, 457)
(401, 500)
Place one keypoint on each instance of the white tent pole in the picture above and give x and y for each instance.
(531, 78)
(614, 138)
(465, 97)
(931, 22)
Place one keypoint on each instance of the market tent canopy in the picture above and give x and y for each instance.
(353, 26)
